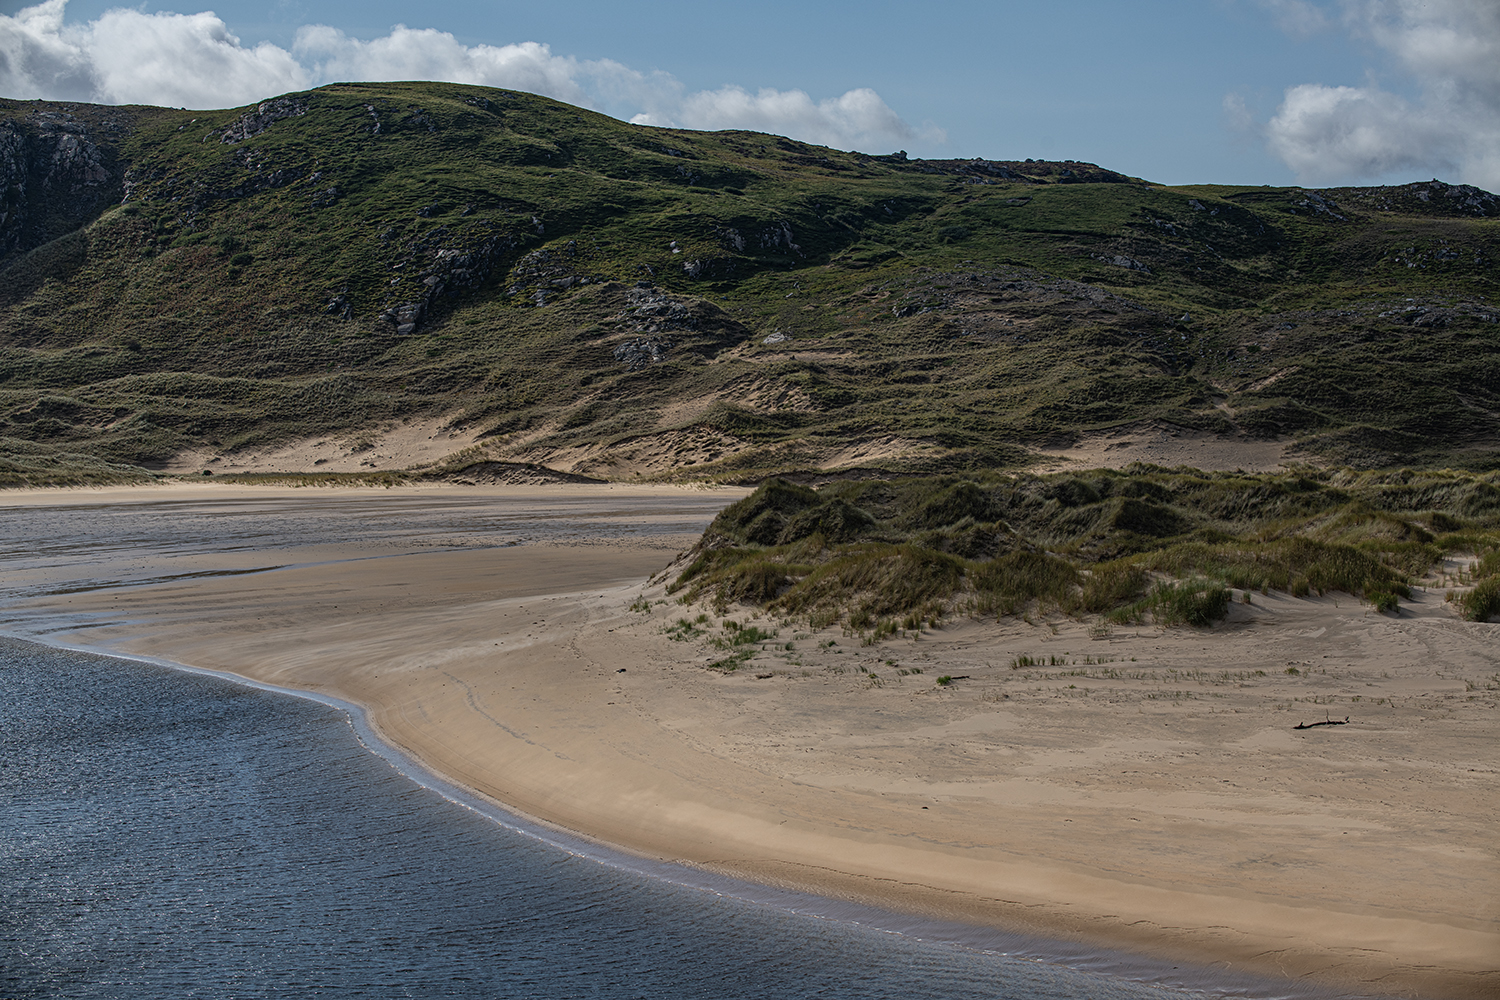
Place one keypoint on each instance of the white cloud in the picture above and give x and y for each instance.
(1450, 51)
(126, 57)
(1329, 133)
(425, 54)
(857, 120)
(192, 60)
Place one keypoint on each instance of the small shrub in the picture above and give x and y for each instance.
(1483, 602)
(944, 680)
(1383, 601)
(1189, 602)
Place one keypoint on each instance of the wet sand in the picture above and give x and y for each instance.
(1144, 790)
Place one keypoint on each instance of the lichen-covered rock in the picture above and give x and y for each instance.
(266, 114)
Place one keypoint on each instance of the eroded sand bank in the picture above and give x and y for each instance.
(1145, 790)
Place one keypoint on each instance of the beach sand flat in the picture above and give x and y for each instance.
(1146, 790)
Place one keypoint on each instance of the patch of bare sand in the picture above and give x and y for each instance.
(386, 446)
(1145, 790)
(1162, 444)
(648, 455)
(885, 448)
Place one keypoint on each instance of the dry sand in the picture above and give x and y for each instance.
(395, 444)
(1146, 791)
(1167, 445)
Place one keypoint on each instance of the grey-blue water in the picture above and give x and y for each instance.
(167, 834)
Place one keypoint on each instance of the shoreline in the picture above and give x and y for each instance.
(987, 939)
(819, 778)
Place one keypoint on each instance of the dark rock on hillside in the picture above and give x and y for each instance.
(444, 263)
(57, 173)
(649, 315)
(1425, 198)
(637, 354)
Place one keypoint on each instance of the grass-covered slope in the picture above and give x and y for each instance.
(888, 555)
(584, 289)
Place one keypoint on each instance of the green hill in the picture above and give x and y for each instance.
(578, 289)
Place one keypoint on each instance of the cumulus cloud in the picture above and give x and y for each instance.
(126, 57)
(1449, 51)
(425, 54)
(192, 60)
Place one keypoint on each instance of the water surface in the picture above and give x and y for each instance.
(171, 834)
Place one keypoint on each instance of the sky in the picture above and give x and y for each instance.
(1311, 92)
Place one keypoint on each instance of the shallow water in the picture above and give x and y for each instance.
(171, 834)
(77, 545)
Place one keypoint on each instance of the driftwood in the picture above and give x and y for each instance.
(1326, 722)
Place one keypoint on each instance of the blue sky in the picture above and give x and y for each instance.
(1178, 91)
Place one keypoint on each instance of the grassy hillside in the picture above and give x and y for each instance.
(604, 297)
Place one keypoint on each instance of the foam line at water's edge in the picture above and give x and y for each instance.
(1209, 981)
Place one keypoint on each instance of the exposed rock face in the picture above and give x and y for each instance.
(659, 324)
(1120, 260)
(444, 262)
(550, 269)
(406, 317)
(638, 354)
(1318, 204)
(56, 174)
(1428, 198)
(266, 114)
(13, 173)
(650, 310)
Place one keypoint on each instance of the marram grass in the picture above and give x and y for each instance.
(1168, 546)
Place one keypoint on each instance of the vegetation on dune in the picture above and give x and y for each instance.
(1168, 544)
(736, 305)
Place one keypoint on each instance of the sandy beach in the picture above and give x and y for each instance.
(1143, 789)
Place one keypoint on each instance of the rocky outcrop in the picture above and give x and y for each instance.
(266, 114)
(56, 174)
(657, 324)
(1316, 203)
(642, 352)
(1425, 198)
(444, 262)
